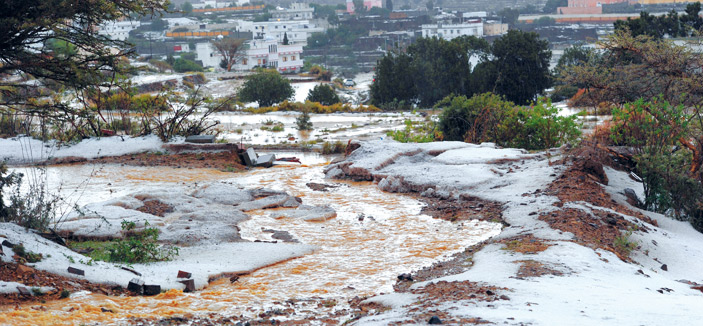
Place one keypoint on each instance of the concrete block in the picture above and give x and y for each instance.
(136, 285)
(152, 289)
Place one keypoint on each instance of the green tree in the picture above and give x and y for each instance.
(639, 67)
(324, 94)
(185, 65)
(231, 50)
(27, 25)
(474, 120)
(285, 38)
(389, 5)
(359, 7)
(509, 16)
(266, 87)
(187, 7)
(544, 21)
(393, 81)
(521, 63)
(158, 25)
(430, 5)
(551, 6)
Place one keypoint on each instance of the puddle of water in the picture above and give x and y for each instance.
(356, 258)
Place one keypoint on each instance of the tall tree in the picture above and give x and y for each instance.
(285, 38)
(231, 50)
(29, 25)
(187, 7)
(267, 87)
(389, 5)
(359, 7)
(521, 62)
(551, 6)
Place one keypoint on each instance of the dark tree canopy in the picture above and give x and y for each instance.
(324, 94)
(551, 6)
(267, 87)
(516, 67)
(672, 24)
(429, 70)
(28, 26)
(639, 67)
(521, 62)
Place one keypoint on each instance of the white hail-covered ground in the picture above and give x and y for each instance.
(22, 150)
(596, 288)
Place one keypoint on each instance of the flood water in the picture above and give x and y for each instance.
(356, 257)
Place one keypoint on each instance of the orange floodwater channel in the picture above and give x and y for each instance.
(356, 256)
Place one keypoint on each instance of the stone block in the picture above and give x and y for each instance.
(76, 271)
(201, 139)
(265, 160)
(136, 285)
(150, 289)
(182, 274)
(190, 285)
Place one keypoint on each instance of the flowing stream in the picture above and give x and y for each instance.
(356, 256)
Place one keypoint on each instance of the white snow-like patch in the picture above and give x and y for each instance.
(19, 150)
(393, 300)
(594, 287)
(12, 287)
(203, 261)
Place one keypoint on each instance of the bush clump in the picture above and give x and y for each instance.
(139, 246)
(489, 118)
(323, 94)
(668, 162)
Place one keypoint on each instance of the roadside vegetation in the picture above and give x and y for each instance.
(654, 91)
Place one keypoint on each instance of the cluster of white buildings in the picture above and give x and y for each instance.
(118, 30)
(266, 52)
(295, 24)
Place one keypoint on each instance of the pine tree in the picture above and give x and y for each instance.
(285, 38)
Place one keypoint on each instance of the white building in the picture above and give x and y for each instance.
(450, 31)
(297, 11)
(259, 53)
(298, 31)
(118, 30)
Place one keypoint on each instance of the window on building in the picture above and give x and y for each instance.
(285, 59)
(292, 58)
(244, 62)
(258, 62)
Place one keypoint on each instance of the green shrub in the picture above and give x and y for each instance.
(185, 65)
(489, 118)
(323, 94)
(34, 208)
(30, 257)
(416, 132)
(658, 132)
(303, 121)
(333, 148)
(539, 127)
(474, 120)
(139, 246)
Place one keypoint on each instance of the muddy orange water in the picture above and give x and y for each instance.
(355, 257)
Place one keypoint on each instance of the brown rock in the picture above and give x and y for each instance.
(23, 290)
(664, 267)
(22, 269)
(182, 274)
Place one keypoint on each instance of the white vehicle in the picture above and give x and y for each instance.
(349, 83)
